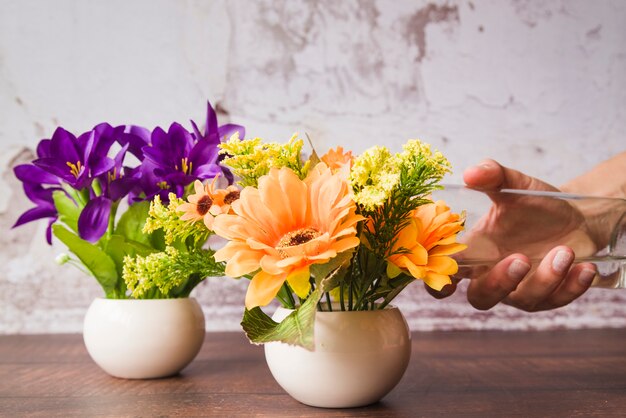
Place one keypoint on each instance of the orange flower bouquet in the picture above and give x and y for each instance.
(331, 233)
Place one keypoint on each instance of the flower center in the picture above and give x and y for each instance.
(75, 169)
(112, 175)
(301, 236)
(204, 204)
(186, 166)
(231, 197)
(163, 185)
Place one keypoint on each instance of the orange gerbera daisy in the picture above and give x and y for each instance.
(207, 202)
(338, 160)
(282, 227)
(426, 243)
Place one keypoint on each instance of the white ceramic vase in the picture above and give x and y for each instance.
(359, 357)
(143, 339)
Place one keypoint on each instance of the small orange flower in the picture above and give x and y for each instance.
(426, 243)
(282, 227)
(337, 160)
(208, 202)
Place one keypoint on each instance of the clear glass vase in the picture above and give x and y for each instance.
(534, 222)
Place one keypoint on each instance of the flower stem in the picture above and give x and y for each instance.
(330, 305)
(341, 287)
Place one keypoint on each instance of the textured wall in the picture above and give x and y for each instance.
(539, 85)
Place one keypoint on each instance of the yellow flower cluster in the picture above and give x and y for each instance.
(374, 175)
(377, 172)
(416, 151)
(168, 219)
(139, 273)
(249, 159)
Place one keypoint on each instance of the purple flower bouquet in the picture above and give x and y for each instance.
(98, 204)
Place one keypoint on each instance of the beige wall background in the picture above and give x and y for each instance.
(538, 85)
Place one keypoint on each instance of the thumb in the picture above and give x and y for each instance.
(489, 175)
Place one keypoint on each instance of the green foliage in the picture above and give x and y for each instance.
(295, 329)
(97, 262)
(136, 246)
(67, 209)
(298, 327)
(175, 230)
(170, 273)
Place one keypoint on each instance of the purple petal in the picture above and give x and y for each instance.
(121, 187)
(38, 212)
(43, 148)
(63, 146)
(136, 138)
(211, 120)
(207, 171)
(226, 131)
(202, 153)
(94, 219)
(196, 131)
(101, 166)
(119, 157)
(105, 136)
(228, 175)
(39, 195)
(56, 167)
(86, 143)
(33, 174)
(49, 230)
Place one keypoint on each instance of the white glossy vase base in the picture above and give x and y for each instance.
(143, 339)
(359, 357)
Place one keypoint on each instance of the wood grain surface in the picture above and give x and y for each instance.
(488, 373)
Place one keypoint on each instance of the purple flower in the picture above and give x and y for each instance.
(34, 179)
(44, 204)
(177, 158)
(113, 185)
(214, 134)
(73, 160)
(80, 163)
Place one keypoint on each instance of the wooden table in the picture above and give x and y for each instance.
(505, 374)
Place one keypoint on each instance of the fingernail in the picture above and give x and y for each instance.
(586, 277)
(518, 269)
(562, 261)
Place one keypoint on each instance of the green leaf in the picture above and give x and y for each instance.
(295, 329)
(131, 223)
(322, 271)
(93, 258)
(67, 208)
(118, 247)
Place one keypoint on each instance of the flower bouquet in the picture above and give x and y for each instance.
(321, 235)
(120, 222)
(336, 232)
(113, 196)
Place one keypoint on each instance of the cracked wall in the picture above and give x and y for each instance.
(538, 85)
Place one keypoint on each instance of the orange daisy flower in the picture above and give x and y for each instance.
(207, 202)
(338, 160)
(282, 227)
(426, 243)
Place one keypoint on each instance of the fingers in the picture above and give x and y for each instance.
(486, 291)
(489, 175)
(553, 284)
(576, 282)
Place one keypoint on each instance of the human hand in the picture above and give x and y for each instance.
(549, 230)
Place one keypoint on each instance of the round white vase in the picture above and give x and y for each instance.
(359, 357)
(143, 338)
